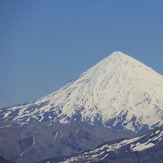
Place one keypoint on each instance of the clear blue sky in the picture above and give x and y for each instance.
(46, 43)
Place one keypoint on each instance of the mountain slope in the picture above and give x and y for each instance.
(31, 143)
(147, 148)
(2, 160)
(118, 92)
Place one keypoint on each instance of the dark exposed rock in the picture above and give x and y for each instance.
(147, 148)
(31, 143)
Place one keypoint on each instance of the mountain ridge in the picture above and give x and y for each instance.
(116, 93)
(33, 142)
(144, 148)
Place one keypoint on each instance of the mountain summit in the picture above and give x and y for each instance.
(118, 92)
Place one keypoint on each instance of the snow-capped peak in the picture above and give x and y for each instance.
(118, 92)
(118, 54)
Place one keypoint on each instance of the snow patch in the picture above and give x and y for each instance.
(34, 141)
(56, 135)
(157, 132)
(143, 146)
(76, 132)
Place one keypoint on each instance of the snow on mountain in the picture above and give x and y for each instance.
(118, 92)
(145, 148)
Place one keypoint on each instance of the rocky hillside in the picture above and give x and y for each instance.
(29, 144)
(147, 148)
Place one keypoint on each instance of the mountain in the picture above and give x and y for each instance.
(29, 144)
(147, 148)
(119, 92)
